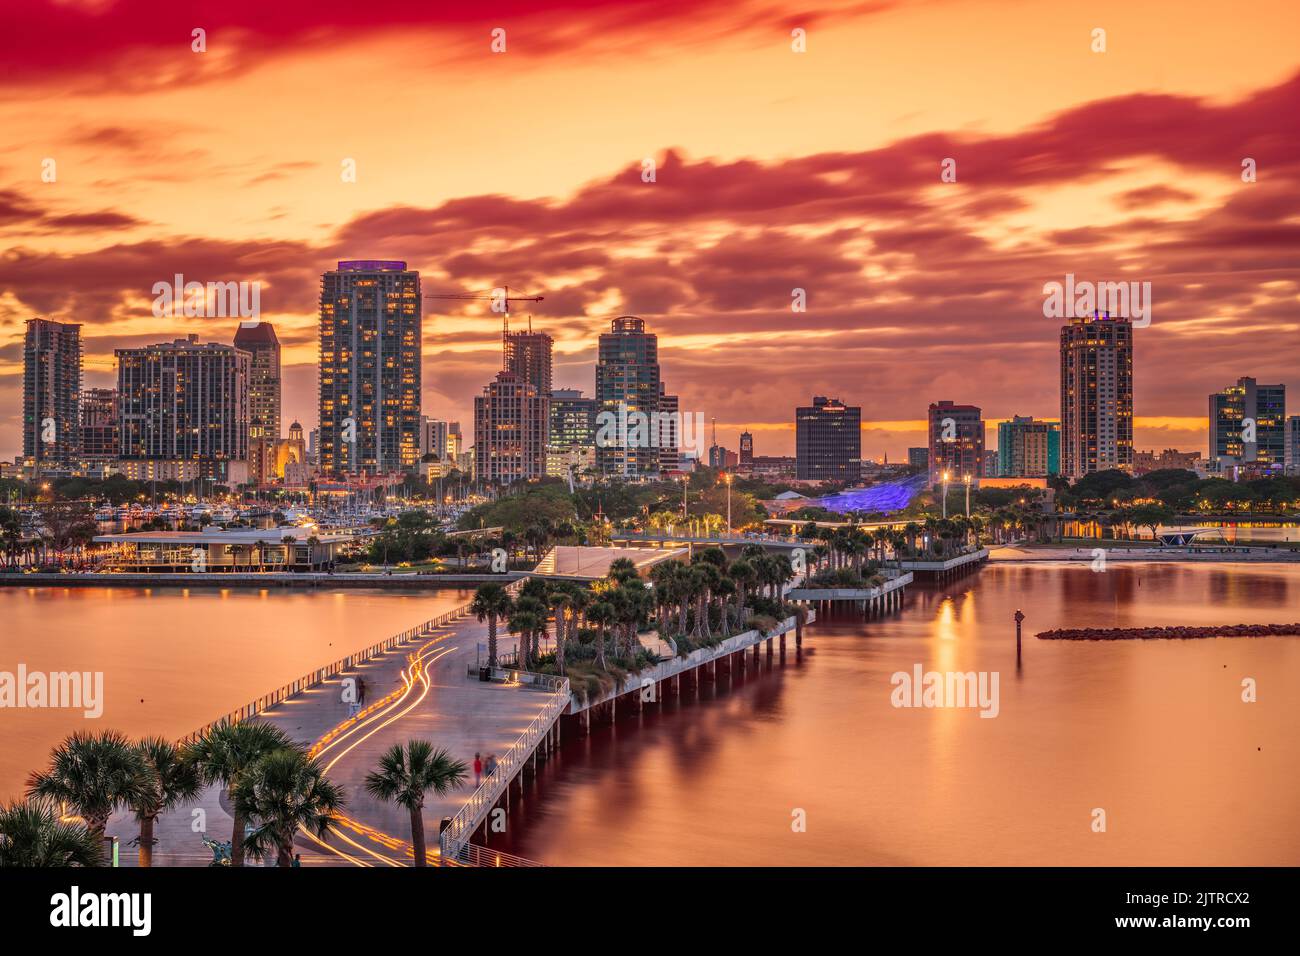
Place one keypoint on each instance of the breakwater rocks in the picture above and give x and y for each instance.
(1169, 633)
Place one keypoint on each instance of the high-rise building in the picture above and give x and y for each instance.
(183, 400)
(1096, 395)
(571, 439)
(51, 392)
(627, 384)
(370, 328)
(99, 431)
(1028, 448)
(918, 458)
(746, 449)
(528, 354)
(669, 432)
(1247, 425)
(259, 341)
(439, 438)
(956, 441)
(509, 430)
(828, 441)
(1292, 442)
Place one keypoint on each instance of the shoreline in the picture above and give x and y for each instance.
(1014, 555)
(264, 580)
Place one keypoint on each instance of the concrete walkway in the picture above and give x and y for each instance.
(453, 711)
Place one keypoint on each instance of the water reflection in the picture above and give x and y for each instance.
(1153, 732)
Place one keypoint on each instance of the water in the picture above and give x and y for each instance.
(174, 659)
(1153, 733)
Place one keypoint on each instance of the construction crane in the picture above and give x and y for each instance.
(493, 295)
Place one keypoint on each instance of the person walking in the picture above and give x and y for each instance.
(361, 691)
(478, 770)
(490, 765)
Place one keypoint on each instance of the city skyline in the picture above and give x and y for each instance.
(1111, 157)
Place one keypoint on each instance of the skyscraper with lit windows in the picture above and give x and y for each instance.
(370, 341)
(1096, 395)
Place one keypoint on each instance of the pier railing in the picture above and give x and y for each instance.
(312, 678)
(456, 836)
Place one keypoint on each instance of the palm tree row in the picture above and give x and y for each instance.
(273, 789)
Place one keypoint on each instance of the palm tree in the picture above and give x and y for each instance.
(491, 602)
(260, 546)
(601, 613)
(284, 790)
(561, 600)
(169, 782)
(32, 835)
(224, 754)
(94, 774)
(406, 775)
(527, 618)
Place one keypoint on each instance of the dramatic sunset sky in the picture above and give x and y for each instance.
(776, 169)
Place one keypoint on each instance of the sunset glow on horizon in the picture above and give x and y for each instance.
(774, 171)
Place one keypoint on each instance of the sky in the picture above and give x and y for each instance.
(790, 150)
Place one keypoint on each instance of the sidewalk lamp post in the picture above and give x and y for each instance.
(686, 480)
(726, 477)
(966, 479)
(946, 476)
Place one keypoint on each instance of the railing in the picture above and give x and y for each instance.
(472, 854)
(456, 836)
(320, 674)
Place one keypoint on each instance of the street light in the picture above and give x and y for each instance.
(726, 477)
(685, 481)
(945, 494)
(966, 478)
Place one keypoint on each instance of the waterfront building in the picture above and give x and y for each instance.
(828, 441)
(1028, 448)
(236, 549)
(1096, 395)
(99, 431)
(571, 438)
(918, 458)
(627, 383)
(956, 442)
(51, 393)
(183, 400)
(370, 348)
(1239, 410)
(258, 339)
(510, 429)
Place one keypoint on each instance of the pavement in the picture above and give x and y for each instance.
(429, 696)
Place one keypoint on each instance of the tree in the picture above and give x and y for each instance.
(601, 614)
(560, 600)
(405, 775)
(32, 835)
(491, 603)
(170, 780)
(94, 774)
(284, 790)
(224, 754)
